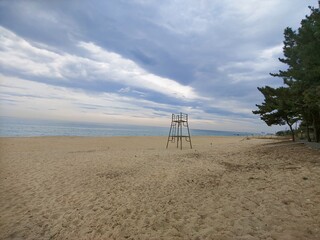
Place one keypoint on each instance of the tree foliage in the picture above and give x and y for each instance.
(277, 108)
(300, 98)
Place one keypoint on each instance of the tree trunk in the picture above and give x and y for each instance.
(317, 133)
(307, 128)
(316, 128)
(308, 133)
(306, 117)
(292, 132)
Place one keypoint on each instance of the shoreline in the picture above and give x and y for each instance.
(93, 129)
(226, 187)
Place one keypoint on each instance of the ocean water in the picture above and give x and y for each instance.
(28, 128)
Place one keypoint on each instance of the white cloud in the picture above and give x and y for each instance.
(32, 99)
(124, 90)
(257, 68)
(251, 11)
(27, 99)
(186, 17)
(98, 64)
(271, 53)
(18, 54)
(122, 70)
(189, 17)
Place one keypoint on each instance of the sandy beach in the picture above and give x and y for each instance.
(135, 188)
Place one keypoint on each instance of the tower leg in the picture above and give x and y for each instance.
(181, 136)
(189, 135)
(177, 135)
(169, 134)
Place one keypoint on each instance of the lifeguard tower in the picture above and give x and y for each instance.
(179, 129)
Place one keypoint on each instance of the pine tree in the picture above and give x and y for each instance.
(302, 56)
(277, 108)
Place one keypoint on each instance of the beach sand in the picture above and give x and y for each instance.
(134, 188)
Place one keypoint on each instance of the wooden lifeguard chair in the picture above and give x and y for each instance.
(179, 129)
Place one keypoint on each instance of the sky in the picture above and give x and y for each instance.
(137, 62)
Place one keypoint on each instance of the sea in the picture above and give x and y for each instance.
(36, 128)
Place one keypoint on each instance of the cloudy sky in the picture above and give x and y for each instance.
(138, 61)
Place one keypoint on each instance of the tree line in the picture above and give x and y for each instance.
(299, 97)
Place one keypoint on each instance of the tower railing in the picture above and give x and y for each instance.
(179, 129)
